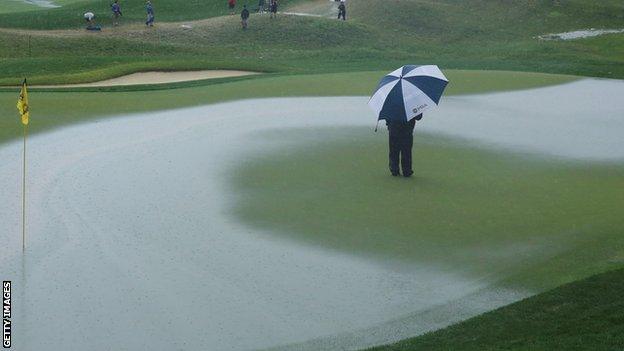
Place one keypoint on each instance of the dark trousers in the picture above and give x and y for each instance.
(401, 140)
(342, 14)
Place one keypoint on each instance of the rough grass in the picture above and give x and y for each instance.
(584, 315)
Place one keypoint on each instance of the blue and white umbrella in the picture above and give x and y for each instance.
(408, 92)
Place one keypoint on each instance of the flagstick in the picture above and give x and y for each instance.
(24, 195)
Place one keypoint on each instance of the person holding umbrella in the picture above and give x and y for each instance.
(400, 98)
(91, 25)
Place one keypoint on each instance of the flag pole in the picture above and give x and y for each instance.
(22, 107)
(24, 193)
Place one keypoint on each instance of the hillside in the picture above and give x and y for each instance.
(377, 35)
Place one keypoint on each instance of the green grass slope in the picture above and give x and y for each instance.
(472, 34)
(584, 315)
(14, 6)
(11, 6)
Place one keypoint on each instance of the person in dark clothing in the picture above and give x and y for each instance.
(342, 11)
(149, 8)
(244, 16)
(116, 9)
(273, 8)
(401, 139)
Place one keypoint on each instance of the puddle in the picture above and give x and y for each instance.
(42, 3)
(580, 34)
(300, 14)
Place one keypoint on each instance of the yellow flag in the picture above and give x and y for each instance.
(22, 104)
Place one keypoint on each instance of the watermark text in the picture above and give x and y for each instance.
(6, 314)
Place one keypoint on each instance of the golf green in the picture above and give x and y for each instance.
(530, 222)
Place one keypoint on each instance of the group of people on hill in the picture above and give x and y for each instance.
(273, 4)
(117, 14)
(149, 9)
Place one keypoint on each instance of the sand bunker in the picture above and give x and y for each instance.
(129, 220)
(143, 78)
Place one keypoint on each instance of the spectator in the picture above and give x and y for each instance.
(150, 14)
(116, 8)
(244, 17)
(342, 11)
(273, 8)
(231, 5)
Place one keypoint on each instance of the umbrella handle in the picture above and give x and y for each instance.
(376, 126)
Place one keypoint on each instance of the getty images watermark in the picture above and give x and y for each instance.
(6, 314)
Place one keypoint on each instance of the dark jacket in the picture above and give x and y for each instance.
(402, 129)
(245, 14)
(116, 8)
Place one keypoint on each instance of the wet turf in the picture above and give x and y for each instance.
(529, 222)
(584, 315)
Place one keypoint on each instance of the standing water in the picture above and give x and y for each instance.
(42, 3)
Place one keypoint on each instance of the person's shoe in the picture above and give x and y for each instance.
(395, 174)
(408, 174)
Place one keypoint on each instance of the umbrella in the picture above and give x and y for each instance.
(408, 92)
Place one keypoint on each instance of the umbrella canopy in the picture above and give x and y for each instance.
(407, 92)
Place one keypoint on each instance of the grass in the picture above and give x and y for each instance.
(532, 223)
(54, 109)
(15, 6)
(12, 6)
(378, 36)
(584, 315)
